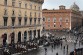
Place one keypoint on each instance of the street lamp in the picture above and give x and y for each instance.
(76, 38)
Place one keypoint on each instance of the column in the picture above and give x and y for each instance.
(16, 37)
(36, 34)
(40, 33)
(32, 34)
(22, 37)
(8, 39)
(27, 36)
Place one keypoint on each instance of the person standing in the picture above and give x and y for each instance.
(61, 45)
(64, 49)
(57, 53)
(67, 49)
(45, 49)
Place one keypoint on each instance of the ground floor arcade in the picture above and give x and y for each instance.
(18, 35)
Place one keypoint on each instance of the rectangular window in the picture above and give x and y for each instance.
(54, 20)
(48, 19)
(31, 6)
(35, 14)
(19, 21)
(38, 20)
(54, 25)
(35, 21)
(39, 14)
(43, 19)
(60, 19)
(5, 21)
(26, 5)
(30, 14)
(66, 20)
(5, 12)
(5, 2)
(39, 8)
(30, 21)
(60, 25)
(48, 25)
(13, 3)
(19, 5)
(35, 7)
(25, 21)
(13, 13)
(13, 21)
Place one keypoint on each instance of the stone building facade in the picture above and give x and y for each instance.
(62, 18)
(82, 17)
(20, 20)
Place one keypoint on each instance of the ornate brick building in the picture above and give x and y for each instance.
(20, 20)
(62, 18)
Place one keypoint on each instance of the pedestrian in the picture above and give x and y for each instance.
(52, 46)
(45, 49)
(67, 47)
(57, 53)
(79, 43)
(61, 45)
(64, 47)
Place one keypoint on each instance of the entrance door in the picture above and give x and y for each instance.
(12, 38)
(30, 35)
(25, 36)
(34, 33)
(38, 33)
(4, 40)
(19, 37)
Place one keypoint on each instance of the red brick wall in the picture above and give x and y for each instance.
(57, 15)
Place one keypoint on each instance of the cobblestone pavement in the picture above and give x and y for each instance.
(53, 51)
(60, 49)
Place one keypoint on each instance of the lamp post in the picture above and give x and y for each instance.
(67, 41)
(76, 38)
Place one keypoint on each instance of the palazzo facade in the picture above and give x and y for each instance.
(20, 20)
(62, 18)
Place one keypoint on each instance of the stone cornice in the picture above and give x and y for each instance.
(17, 26)
(38, 1)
